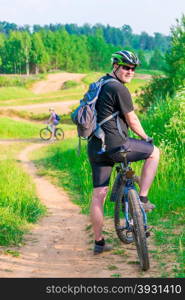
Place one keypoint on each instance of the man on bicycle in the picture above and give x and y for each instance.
(52, 121)
(114, 96)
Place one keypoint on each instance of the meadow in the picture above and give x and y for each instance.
(17, 94)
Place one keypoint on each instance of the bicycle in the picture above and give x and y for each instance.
(46, 133)
(130, 219)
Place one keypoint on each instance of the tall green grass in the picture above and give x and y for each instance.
(165, 121)
(7, 93)
(19, 80)
(19, 205)
(17, 129)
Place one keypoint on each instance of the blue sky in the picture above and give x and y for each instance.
(142, 15)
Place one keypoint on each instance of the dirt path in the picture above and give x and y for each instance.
(59, 244)
(62, 107)
(54, 82)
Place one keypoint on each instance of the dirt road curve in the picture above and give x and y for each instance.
(59, 244)
(54, 82)
(62, 107)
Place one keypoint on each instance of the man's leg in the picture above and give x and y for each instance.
(148, 172)
(98, 199)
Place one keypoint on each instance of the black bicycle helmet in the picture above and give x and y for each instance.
(125, 57)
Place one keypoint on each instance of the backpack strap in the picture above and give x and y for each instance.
(102, 82)
(108, 118)
(119, 127)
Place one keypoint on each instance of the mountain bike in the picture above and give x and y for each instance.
(46, 133)
(130, 219)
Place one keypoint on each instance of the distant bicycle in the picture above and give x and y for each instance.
(46, 133)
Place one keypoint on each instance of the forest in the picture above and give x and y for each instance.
(39, 49)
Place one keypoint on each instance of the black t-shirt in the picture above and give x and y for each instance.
(114, 96)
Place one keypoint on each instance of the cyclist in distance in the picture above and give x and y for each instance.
(114, 96)
(52, 121)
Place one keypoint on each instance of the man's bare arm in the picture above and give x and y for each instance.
(135, 125)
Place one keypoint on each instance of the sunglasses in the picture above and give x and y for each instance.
(127, 68)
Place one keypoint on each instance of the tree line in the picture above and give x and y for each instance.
(161, 87)
(73, 48)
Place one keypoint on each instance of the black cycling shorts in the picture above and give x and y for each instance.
(102, 164)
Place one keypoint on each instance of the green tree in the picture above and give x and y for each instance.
(26, 47)
(38, 55)
(142, 58)
(175, 57)
(12, 60)
(2, 40)
(99, 52)
(157, 61)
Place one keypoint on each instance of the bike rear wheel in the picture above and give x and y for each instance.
(139, 232)
(59, 134)
(117, 196)
(45, 134)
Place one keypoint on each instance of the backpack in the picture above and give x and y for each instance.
(85, 115)
(58, 118)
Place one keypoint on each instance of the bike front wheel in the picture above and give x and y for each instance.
(45, 134)
(139, 232)
(59, 134)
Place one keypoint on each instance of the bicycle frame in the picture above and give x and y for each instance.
(128, 175)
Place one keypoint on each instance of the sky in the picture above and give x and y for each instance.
(142, 15)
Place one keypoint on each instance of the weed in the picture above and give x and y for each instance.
(112, 267)
(116, 275)
(12, 252)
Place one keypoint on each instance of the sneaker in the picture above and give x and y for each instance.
(99, 249)
(148, 206)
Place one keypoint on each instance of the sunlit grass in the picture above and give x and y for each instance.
(17, 129)
(19, 205)
(7, 93)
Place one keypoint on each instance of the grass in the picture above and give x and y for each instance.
(20, 130)
(16, 80)
(19, 205)
(149, 72)
(8, 93)
(135, 85)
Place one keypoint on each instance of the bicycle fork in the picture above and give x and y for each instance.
(129, 185)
